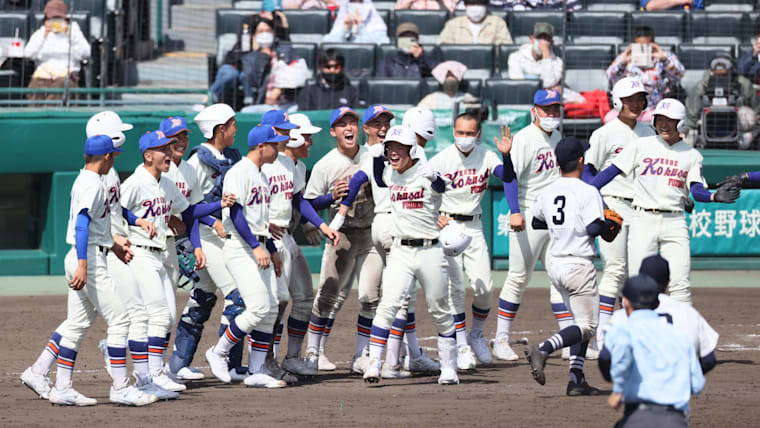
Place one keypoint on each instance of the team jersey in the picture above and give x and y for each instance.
(662, 173)
(414, 203)
(606, 143)
(335, 166)
(206, 176)
(380, 194)
(112, 184)
(533, 160)
(184, 177)
(567, 206)
(152, 200)
(282, 187)
(251, 187)
(468, 175)
(299, 176)
(685, 318)
(88, 192)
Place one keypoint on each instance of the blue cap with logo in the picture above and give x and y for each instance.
(375, 111)
(642, 291)
(99, 145)
(570, 149)
(262, 133)
(545, 97)
(172, 126)
(154, 140)
(656, 267)
(278, 119)
(339, 112)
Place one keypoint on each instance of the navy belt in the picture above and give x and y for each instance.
(462, 217)
(656, 211)
(261, 238)
(149, 248)
(418, 242)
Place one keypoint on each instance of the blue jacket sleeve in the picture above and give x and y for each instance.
(208, 220)
(700, 193)
(754, 176)
(589, 172)
(322, 202)
(378, 166)
(241, 225)
(307, 210)
(191, 224)
(82, 234)
(129, 216)
(605, 176)
(353, 188)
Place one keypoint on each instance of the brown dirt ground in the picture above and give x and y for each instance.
(499, 395)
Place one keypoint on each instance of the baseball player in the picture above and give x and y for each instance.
(629, 98)
(680, 314)
(355, 256)
(254, 268)
(92, 289)
(529, 168)
(469, 166)
(574, 214)
(664, 170)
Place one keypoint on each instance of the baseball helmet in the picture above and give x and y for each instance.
(672, 109)
(211, 116)
(304, 127)
(404, 135)
(626, 87)
(421, 121)
(108, 123)
(453, 240)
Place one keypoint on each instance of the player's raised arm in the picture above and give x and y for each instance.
(309, 213)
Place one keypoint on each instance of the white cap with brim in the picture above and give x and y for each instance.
(211, 116)
(108, 123)
(453, 240)
(304, 128)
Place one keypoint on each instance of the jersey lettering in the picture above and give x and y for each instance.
(115, 193)
(559, 202)
(258, 195)
(664, 167)
(468, 177)
(409, 199)
(547, 162)
(156, 207)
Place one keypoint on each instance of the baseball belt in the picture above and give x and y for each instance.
(418, 242)
(261, 238)
(149, 248)
(656, 211)
(462, 217)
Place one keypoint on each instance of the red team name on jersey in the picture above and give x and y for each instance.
(469, 177)
(618, 150)
(156, 207)
(115, 194)
(258, 195)
(107, 209)
(183, 189)
(411, 200)
(546, 160)
(666, 168)
(281, 184)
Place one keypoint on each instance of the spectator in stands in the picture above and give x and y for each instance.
(449, 75)
(252, 68)
(427, 4)
(358, 22)
(535, 60)
(722, 74)
(661, 76)
(287, 80)
(58, 48)
(332, 88)
(475, 27)
(519, 5)
(749, 62)
(410, 61)
(671, 4)
(308, 4)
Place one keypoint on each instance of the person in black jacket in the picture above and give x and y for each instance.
(410, 61)
(332, 88)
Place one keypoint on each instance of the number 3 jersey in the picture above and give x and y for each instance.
(534, 163)
(567, 206)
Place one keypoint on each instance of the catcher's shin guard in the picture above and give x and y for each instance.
(233, 306)
(190, 328)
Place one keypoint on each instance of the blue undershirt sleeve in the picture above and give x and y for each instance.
(605, 176)
(700, 193)
(241, 225)
(353, 188)
(129, 216)
(307, 210)
(82, 234)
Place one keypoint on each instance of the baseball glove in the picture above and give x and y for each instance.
(612, 224)
(733, 181)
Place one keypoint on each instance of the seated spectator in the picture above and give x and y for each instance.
(749, 66)
(671, 4)
(358, 22)
(476, 27)
(535, 60)
(662, 76)
(286, 82)
(332, 88)
(734, 87)
(58, 48)
(449, 75)
(251, 68)
(309, 4)
(427, 4)
(518, 5)
(409, 61)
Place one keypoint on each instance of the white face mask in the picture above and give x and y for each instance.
(465, 144)
(547, 123)
(476, 13)
(265, 39)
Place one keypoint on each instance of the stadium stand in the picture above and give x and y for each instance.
(394, 93)
(587, 27)
(669, 27)
(585, 66)
(429, 22)
(521, 24)
(479, 59)
(511, 93)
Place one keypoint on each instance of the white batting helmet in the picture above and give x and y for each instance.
(421, 121)
(453, 240)
(672, 109)
(304, 127)
(108, 123)
(404, 135)
(626, 87)
(209, 117)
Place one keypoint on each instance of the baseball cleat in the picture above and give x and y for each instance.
(145, 384)
(502, 350)
(566, 353)
(372, 372)
(325, 365)
(128, 395)
(70, 397)
(465, 358)
(272, 368)
(311, 362)
(592, 354)
(422, 364)
(297, 365)
(38, 383)
(189, 373)
(478, 344)
(449, 353)
(238, 374)
(103, 346)
(261, 380)
(163, 381)
(394, 372)
(218, 364)
(359, 362)
(537, 360)
(583, 388)
(448, 377)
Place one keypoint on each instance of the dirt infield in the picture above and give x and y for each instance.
(503, 394)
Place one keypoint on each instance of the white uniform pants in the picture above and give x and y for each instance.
(215, 274)
(98, 295)
(615, 253)
(299, 282)
(257, 287)
(476, 261)
(382, 239)
(156, 289)
(130, 298)
(283, 281)
(574, 278)
(668, 234)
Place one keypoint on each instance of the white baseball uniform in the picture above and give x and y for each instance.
(662, 175)
(183, 176)
(567, 206)
(606, 143)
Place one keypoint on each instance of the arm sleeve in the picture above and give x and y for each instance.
(551, 71)
(515, 71)
(754, 176)
(499, 172)
(596, 227)
(191, 223)
(589, 172)
(203, 210)
(271, 247)
(708, 362)
(129, 216)
(605, 176)
(354, 186)
(33, 46)
(307, 210)
(510, 185)
(697, 377)
(604, 363)
(695, 173)
(622, 357)
(208, 220)
(378, 166)
(439, 186)
(241, 225)
(539, 224)
(80, 48)
(700, 193)
(322, 202)
(81, 232)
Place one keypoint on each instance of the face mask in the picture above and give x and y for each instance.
(265, 39)
(476, 13)
(548, 124)
(331, 77)
(465, 144)
(450, 86)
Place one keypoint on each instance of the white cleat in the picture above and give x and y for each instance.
(129, 395)
(325, 365)
(448, 377)
(189, 373)
(38, 383)
(103, 346)
(261, 380)
(422, 364)
(297, 365)
(359, 363)
(219, 365)
(394, 372)
(311, 362)
(502, 350)
(372, 372)
(163, 381)
(566, 353)
(592, 354)
(146, 385)
(465, 358)
(449, 354)
(70, 397)
(479, 346)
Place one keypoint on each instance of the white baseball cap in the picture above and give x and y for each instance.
(304, 127)
(209, 117)
(453, 240)
(108, 123)
(421, 121)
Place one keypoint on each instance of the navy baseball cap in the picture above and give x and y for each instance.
(154, 140)
(641, 291)
(99, 145)
(172, 126)
(262, 133)
(339, 112)
(545, 97)
(278, 119)
(656, 267)
(375, 111)
(570, 149)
